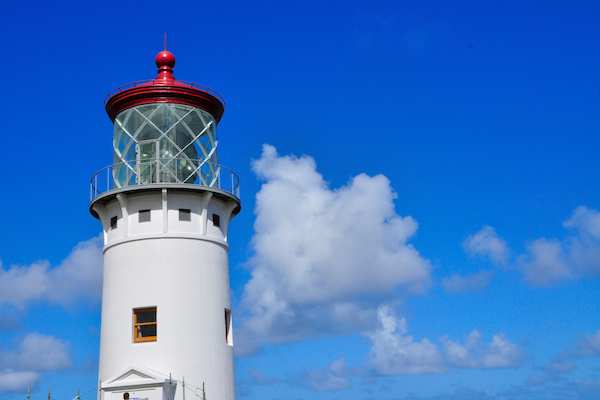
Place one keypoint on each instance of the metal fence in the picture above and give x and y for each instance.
(160, 171)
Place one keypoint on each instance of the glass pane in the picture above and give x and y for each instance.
(179, 151)
(146, 330)
(146, 316)
(148, 132)
(181, 110)
(146, 110)
(147, 150)
(164, 118)
(194, 122)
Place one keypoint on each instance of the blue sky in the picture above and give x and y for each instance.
(419, 189)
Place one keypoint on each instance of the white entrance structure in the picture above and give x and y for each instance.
(165, 206)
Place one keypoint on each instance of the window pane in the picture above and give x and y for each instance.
(146, 316)
(147, 330)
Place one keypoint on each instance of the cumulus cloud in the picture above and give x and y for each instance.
(566, 361)
(11, 381)
(336, 376)
(551, 261)
(323, 257)
(394, 353)
(546, 263)
(499, 353)
(259, 378)
(36, 353)
(40, 353)
(487, 243)
(467, 284)
(584, 246)
(78, 276)
(588, 346)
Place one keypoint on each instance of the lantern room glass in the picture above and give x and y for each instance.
(165, 143)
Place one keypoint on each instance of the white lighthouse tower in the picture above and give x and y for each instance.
(165, 206)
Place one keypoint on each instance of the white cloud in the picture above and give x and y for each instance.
(261, 379)
(565, 362)
(588, 346)
(467, 284)
(584, 247)
(486, 242)
(11, 381)
(586, 221)
(78, 276)
(546, 263)
(559, 367)
(552, 261)
(36, 353)
(336, 376)
(393, 353)
(499, 353)
(535, 380)
(321, 254)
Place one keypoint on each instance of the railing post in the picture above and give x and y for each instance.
(158, 170)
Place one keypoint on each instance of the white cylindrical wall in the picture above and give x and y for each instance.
(181, 268)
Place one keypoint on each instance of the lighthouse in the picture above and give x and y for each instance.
(165, 205)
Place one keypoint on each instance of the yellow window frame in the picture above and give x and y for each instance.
(137, 326)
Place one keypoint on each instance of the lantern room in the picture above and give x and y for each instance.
(165, 130)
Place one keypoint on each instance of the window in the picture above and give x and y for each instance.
(216, 220)
(185, 214)
(144, 215)
(113, 223)
(228, 337)
(144, 324)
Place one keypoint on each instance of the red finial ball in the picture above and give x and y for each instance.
(165, 58)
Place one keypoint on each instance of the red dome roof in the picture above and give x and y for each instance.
(164, 89)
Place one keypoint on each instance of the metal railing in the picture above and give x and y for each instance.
(126, 86)
(161, 171)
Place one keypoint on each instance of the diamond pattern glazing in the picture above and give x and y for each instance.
(165, 143)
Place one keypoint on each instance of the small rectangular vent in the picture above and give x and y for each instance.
(216, 220)
(185, 214)
(144, 215)
(113, 223)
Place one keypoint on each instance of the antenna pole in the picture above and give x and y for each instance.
(165, 41)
